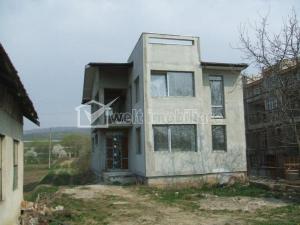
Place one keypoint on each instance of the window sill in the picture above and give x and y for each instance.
(219, 151)
(168, 97)
(218, 117)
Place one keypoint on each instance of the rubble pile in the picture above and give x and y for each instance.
(39, 212)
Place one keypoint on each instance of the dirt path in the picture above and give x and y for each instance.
(129, 207)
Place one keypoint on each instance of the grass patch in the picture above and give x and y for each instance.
(84, 211)
(248, 190)
(173, 195)
(287, 215)
(40, 189)
(79, 211)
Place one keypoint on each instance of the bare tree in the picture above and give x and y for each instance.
(277, 56)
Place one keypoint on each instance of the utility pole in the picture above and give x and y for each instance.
(50, 143)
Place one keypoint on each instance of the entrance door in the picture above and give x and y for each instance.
(117, 150)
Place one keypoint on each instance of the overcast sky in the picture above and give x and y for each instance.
(50, 41)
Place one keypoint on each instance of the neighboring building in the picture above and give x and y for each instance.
(272, 149)
(14, 104)
(187, 121)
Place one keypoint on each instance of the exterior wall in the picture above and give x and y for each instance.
(187, 58)
(137, 161)
(197, 180)
(11, 128)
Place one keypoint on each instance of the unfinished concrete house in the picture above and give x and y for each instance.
(14, 104)
(272, 109)
(170, 117)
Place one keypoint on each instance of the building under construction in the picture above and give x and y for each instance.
(272, 111)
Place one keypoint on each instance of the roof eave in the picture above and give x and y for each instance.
(225, 66)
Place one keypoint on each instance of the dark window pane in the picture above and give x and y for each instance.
(158, 85)
(219, 137)
(218, 111)
(183, 138)
(160, 138)
(181, 84)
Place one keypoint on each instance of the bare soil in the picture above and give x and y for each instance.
(130, 207)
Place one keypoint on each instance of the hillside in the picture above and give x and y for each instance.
(57, 132)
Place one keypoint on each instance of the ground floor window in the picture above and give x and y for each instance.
(219, 137)
(175, 138)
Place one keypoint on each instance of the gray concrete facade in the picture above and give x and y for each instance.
(182, 54)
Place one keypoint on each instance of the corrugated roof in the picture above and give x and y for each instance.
(10, 78)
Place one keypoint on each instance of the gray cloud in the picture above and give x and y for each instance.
(50, 41)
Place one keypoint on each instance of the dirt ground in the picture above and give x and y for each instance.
(33, 175)
(124, 205)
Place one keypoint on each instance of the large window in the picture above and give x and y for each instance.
(219, 137)
(172, 84)
(217, 96)
(16, 164)
(137, 89)
(138, 141)
(1, 139)
(175, 138)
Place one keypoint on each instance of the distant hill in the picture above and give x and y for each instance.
(57, 133)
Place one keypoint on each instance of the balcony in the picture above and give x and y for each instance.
(116, 109)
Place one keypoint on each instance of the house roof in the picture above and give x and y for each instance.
(239, 66)
(90, 73)
(110, 64)
(9, 77)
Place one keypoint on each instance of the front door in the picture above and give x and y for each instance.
(117, 150)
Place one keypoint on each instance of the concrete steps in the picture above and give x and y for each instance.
(118, 176)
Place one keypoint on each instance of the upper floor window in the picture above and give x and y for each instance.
(170, 41)
(172, 84)
(217, 96)
(271, 103)
(256, 91)
(137, 89)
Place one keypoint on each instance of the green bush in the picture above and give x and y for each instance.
(66, 178)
